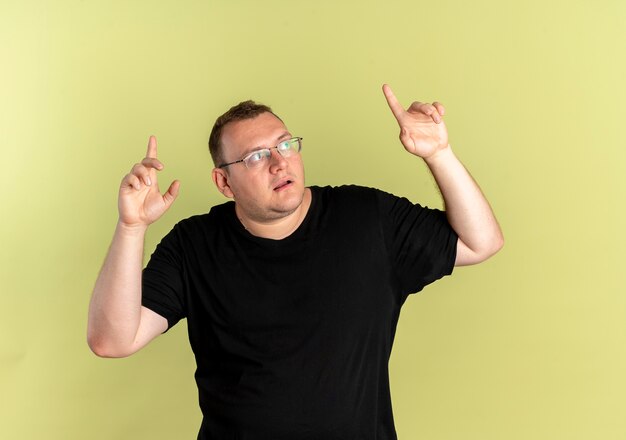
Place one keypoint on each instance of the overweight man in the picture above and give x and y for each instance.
(291, 293)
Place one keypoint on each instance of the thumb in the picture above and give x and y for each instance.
(171, 193)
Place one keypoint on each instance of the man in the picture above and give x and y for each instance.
(291, 293)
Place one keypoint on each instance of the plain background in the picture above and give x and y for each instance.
(529, 345)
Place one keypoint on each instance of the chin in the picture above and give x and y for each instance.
(286, 207)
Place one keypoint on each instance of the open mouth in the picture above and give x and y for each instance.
(283, 185)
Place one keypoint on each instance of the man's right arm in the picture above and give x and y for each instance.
(118, 325)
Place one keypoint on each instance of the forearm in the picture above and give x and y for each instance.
(115, 307)
(467, 209)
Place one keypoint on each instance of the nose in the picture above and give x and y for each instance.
(277, 161)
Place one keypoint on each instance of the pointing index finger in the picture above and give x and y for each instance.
(152, 148)
(394, 104)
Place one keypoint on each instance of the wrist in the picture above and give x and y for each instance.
(439, 156)
(133, 230)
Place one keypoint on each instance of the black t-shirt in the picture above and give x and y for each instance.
(292, 337)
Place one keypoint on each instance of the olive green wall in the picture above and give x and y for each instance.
(529, 345)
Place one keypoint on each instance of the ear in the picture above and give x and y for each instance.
(220, 179)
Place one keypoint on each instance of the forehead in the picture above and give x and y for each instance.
(245, 135)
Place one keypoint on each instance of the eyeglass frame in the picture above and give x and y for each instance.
(299, 139)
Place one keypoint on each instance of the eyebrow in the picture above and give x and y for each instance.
(250, 150)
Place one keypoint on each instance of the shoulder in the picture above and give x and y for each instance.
(358, 204)
(218, 214)
(190, 228)
(356, 194)
(347, 192)
(192, 236)
(345, 199)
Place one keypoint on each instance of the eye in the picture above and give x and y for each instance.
(284, 145)
(255, 157)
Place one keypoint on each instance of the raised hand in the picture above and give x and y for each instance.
(422, 130)
(140, 202)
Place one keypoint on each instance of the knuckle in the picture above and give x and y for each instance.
(128, 180)
(150, 162)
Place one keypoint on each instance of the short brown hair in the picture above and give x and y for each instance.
(244, 110)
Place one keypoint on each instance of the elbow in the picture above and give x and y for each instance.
(102, 349)
(99, 349)
(497, 244)
(467, 256)
(493, 247)
(486, 253)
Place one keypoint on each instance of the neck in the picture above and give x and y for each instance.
(279, 228)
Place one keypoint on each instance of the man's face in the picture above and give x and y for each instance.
(271, 191)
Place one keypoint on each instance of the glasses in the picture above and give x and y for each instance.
(258, 158)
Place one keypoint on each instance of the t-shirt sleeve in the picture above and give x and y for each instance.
(163, 280)
(420, 241)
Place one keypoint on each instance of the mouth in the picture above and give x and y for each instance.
(283, 184)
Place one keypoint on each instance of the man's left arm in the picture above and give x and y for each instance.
(423, 133)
